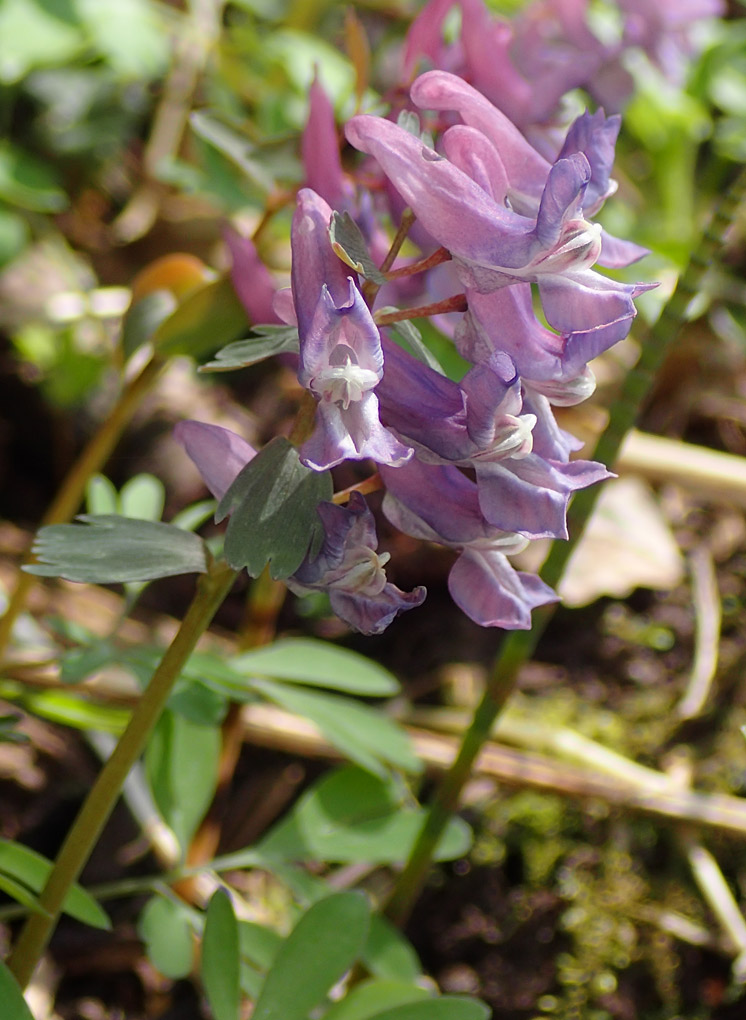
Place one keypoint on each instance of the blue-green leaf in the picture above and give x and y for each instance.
(220, 958)
(349, 245)
(272, 504)
(107, 548)
(269, 340)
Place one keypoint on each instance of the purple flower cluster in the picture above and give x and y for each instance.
(477, 465)
(526, 65)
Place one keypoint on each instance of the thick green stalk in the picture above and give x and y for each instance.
(82, 837)
(518, 646)
(70, 494)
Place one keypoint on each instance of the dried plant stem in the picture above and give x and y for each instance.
(70, 494)
(82, 837)
(518, 646)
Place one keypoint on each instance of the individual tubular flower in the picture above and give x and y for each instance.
(341, 361)
(350, 571)
(482, 424)
(320, 150)
(440, 504)
(347, 566)
(251, 279)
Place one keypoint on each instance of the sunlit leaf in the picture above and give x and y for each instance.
(32, 870)
(108, 548)
(362, 734)
(319, 664)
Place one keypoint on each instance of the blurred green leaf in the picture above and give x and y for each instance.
(71, 710)
(220, 958)
(321, 948)
(37, 32)
(259, 944)
(445, 1007)
(143, 498)
(227, 138)
(362, 734)
(130, 34)
(143, 318)
(27, 182)
(32, 870)
(272, 504)
(14, 235)
(101, 496)
(108, 548)
(165, 929)
(320, 664)
(11, 996)
(181, 763)
(206, 319)
(370, 998)
(389, 954)
(351, 815)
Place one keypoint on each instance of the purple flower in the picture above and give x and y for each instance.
(481, 423)
(350, 570)
(440, 504)
(496, 231)
(320, 150)
(341, 361)
(347, 567)
(251, 279)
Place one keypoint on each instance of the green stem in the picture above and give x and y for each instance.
(518, 646)
(70, 494)
(212, 588)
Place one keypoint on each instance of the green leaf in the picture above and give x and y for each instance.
(130, 34)
(71, 710)
(388, 954)
(259, 944)
(205, 319)
(351, 815)
(445, 1007)
(101, 496)
(372, 997)
(227, 138)
(77, 664)
(362, 734)
(34, 33)
(181, 762)
(165, 929)
(143, 497)
(29, 183)
(107, 548)
(32, 870)
(349, 245)
(11, 996)
(412, 342)
(272, 504)
(321, 948)
(220, 958)
(20, 894)
(270, 340)
(143, 318)
(319, 664)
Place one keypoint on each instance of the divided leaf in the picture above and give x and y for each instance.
(269, 340)
(272, 504)
(105, 548)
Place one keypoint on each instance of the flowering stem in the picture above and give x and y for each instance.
(70, 494)
(370, 288)
(518, 646)
(212, 589)
(457, 303)
(437, 257)
(372, 484)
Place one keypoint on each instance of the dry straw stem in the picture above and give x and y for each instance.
(272, 727)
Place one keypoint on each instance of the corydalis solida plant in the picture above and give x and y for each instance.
(507, 220)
